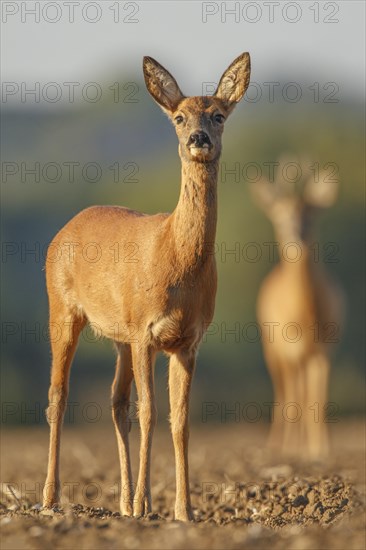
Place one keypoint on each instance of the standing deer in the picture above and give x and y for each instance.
(162, 302)
(299, 308)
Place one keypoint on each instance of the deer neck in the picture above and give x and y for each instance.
(194, 219)
(296, 257)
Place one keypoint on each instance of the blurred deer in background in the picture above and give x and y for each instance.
(162, 300)
(300, 309)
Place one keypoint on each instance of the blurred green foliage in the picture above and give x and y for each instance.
(105, 133)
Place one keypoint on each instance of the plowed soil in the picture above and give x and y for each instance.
(243, 496)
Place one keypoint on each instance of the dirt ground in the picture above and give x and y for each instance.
(243, 496)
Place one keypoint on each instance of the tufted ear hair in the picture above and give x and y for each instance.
(264, 194)
(322, 193)
(161, 85)
(234, 82)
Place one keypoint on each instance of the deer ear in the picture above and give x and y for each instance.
(161, 85)
(234, 82)
(264, 194)
(322, 193)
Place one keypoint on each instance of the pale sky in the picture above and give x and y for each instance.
(305, 40)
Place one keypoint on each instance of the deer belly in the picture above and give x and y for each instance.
(172, 332)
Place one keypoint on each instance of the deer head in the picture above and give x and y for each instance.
(198, 121)
(290, 202)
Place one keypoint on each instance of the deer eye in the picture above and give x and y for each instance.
(179, 119)
(219, 118)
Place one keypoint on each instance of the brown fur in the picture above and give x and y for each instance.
(160, 297)
(300, 292)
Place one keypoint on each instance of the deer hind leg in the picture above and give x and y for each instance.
(317, 379)
(181, 369)
(65, 328)
(121, 390)
(143, 359)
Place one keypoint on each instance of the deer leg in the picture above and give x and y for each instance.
(121, 390)
(317, 379)
(293, 410)
(64, 333)
(143, 367)
(181, 369)
(276, 432)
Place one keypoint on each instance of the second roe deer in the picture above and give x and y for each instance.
(167, 296)
(300, 309)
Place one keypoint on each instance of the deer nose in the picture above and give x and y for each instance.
(199, 139)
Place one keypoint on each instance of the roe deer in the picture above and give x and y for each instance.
(167, 296)
(300, 309)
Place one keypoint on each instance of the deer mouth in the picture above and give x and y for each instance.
(199, 144)
(203, 149)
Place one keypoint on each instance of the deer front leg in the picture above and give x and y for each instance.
(293, 411)
(143, 366)
(121, 390)
(317, 379)
(275, 369)
(181, 369)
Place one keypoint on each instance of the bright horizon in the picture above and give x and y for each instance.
(194, 40)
